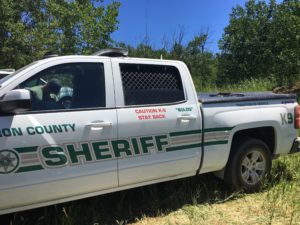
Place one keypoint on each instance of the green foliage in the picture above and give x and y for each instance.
(249, 85)
(201, 63)
(260, 49)
(261, 43)
(28, 29)
(262, 39)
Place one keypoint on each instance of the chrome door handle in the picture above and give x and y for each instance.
(98, 125)
(187, 118)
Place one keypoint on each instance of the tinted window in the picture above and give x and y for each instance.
(74, 85)
(151, 84)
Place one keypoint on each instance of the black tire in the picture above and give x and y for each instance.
(249, 163)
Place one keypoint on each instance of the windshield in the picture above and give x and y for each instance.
(18, 71)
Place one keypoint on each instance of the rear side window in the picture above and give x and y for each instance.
(151, 84)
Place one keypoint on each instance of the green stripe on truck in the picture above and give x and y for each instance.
(29, 168)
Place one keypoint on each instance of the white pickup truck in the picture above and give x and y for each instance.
(130, 122)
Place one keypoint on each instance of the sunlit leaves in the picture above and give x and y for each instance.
(28, 29)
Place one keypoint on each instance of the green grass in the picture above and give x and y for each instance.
(278, 202)
(197, 200)
(251, 85)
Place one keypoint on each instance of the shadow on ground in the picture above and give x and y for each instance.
(126, 206)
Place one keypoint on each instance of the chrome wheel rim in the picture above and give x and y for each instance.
(253, 167)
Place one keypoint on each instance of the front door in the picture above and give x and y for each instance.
(60, 148)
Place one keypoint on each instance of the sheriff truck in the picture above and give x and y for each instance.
(130, 122)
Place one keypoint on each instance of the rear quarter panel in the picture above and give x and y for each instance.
(240, 116)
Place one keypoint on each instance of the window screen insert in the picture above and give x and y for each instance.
(151, 84)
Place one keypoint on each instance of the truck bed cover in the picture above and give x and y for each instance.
(207, 98)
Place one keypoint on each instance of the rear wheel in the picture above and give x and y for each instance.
(249, 163)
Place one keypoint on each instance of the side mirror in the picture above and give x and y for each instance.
(17, 100)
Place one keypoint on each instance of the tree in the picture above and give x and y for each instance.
(286, 42)
(200, 61)
(28, 29)
(262, 39)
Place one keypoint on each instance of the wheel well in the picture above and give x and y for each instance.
(266, 134)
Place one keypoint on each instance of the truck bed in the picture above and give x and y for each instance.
(208, 98)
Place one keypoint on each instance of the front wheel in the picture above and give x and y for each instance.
(249, 163)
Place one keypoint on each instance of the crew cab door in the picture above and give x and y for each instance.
(159, 134)
(62, 150)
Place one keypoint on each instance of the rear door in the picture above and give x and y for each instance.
(159, 132)
(62, 150)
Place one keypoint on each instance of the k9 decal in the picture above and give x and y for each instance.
(286, 118)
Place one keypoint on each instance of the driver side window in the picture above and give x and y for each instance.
(67, 86)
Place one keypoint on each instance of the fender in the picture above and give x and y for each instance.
(216, 157)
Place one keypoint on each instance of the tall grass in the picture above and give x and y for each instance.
(197, 200)
(282, 202)
(251, 85)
